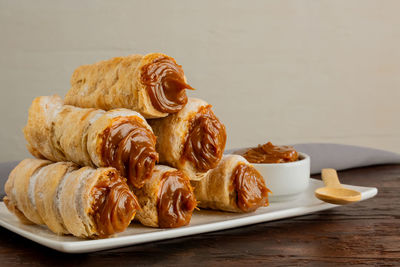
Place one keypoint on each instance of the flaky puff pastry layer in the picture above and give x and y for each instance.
(61, 132)
(219, 191)
(18, 199)
(59, 195)
(173, 132)
(116, 83)
(167, 199)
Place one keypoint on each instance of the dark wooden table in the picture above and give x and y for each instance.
(362, 233)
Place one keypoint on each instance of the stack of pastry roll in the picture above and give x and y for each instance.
(234, 185)
(192, 140)
(153, 85)
(84, 202)
(99, 134)
(119, 138)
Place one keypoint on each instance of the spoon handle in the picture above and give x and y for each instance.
(330, 178)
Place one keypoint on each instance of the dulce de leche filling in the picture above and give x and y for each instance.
(165, 84)
(114, 204)
(268, 153)
(129, 147)
(206, 140)
(176, 200)
(250, 188)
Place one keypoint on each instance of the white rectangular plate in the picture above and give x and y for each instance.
(202, 221)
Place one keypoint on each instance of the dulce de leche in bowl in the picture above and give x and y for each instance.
(268, 153)
(285, 170)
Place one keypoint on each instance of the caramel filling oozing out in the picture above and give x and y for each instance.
(114, 205)
(129, 147)
(165, 83)
(206, 140)
(250, 188)
(176, 200)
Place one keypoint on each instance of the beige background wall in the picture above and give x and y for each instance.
(286, 71)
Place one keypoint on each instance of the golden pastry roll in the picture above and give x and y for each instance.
(192, 140)
(167, 199)
(118, 138)
(234, 185)
(153, 84)
(84, 202)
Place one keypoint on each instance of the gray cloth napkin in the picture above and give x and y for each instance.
(341, 157)
(5, 169)
(322, 155)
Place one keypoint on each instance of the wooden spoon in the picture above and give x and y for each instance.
(333, 192)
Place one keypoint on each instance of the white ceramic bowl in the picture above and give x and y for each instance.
(286, 180)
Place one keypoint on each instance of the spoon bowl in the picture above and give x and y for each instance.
(338, 196)
(333, 192)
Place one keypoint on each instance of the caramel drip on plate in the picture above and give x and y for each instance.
(129, 147)
(114, 205)
(176, 200)
(165, 83)
(250, 188)
(206, 140)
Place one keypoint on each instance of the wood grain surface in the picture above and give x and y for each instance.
(358, 234)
